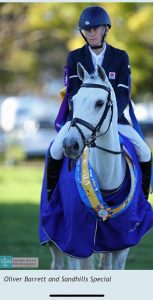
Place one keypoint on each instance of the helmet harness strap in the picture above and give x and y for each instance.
(95, 47)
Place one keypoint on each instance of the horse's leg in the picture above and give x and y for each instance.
(73, 263)
(87, 263)
(57, 258)
(81, 263)
(105, 262)
(119, 259)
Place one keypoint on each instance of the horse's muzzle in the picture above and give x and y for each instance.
(71, 148)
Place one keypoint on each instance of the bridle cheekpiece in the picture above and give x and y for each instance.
(91, 142)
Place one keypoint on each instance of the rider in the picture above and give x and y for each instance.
(94, 25)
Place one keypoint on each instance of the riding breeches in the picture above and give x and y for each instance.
(142, 150)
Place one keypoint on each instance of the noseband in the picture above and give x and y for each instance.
(75, 121)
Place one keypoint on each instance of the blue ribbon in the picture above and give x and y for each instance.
(100, 207)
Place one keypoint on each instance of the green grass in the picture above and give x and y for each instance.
(19, 233)
(20, 189)
(20, 184)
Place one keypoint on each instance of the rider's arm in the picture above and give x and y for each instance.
(73, 80)
(123, 85)
(73, 83)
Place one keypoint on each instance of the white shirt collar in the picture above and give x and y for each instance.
(101, 54)
(97, 59)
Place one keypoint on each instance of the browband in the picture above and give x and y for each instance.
(96, 85)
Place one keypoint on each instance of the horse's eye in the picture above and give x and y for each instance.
(99, 104)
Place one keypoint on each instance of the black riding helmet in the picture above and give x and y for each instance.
(91, 17)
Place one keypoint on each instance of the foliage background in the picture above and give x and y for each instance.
(36, 37)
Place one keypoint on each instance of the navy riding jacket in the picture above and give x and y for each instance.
(117, 67)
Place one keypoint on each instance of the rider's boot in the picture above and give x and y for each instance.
(53, 171)
(146, 168)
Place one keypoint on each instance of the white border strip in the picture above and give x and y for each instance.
(73, 76)
(123, 85)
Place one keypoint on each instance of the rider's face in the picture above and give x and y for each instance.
(94, 35)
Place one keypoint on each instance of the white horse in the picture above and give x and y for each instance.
(88, 125)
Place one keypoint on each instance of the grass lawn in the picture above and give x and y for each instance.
(20, 189)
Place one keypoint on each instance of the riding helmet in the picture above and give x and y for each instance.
(94, 16)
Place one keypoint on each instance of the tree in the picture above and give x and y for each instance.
(36, 37)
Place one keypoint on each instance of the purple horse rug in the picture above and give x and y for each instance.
(73, 227)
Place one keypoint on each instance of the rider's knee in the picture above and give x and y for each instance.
(144, 154)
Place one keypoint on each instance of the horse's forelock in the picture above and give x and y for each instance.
(94, 78)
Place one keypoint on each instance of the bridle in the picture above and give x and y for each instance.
(91, 142)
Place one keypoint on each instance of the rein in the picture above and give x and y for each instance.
(91, 141)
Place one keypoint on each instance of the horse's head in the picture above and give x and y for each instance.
(94, 110)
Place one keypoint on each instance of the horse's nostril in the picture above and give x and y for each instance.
(70, 145)
(76, 146)
(64, 143)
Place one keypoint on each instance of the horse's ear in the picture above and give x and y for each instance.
(82, 73)
(101, 73)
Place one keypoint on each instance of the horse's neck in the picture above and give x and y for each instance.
(109, 168)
